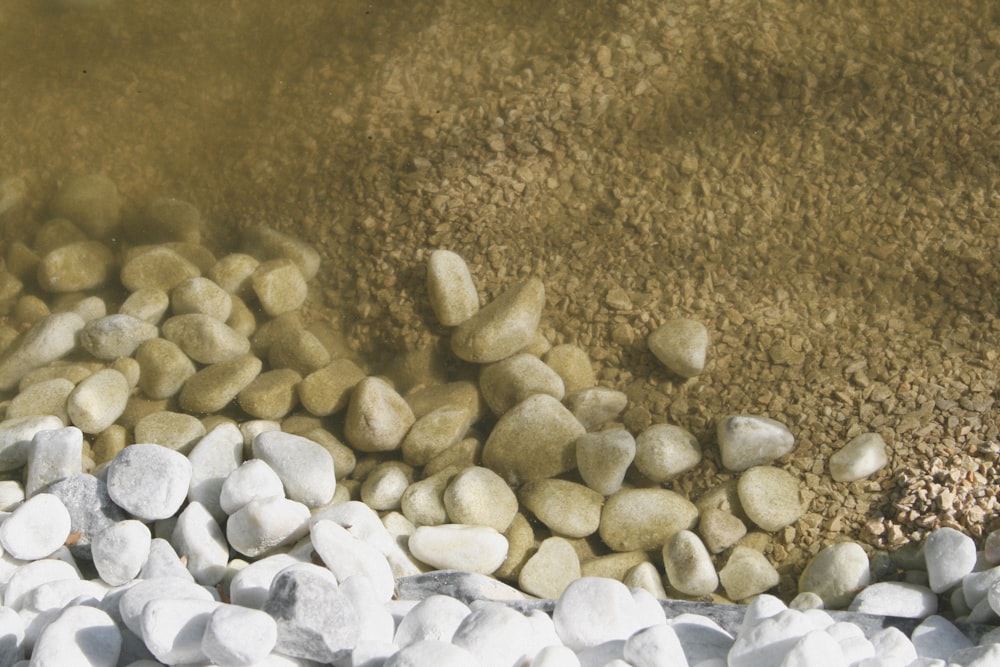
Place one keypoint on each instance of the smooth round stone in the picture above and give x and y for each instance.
(592, 611)
(688, 565)
(264, 524)
(98, 400)
(156, 267)
(550, 570)
(533, 440)
(279, 286)
(201, 296)
(175, 430)
(36, 528)
(163, 368)
(836, 574)
(503, 327)
(950, 555)
(327, 390)
(304, 467)
(479, 497)
(566, 508)
(665, 451)
(938, 638)
(433, 433)
(236, 636)
(506, 383)
(385, 485)
(648, 578)
(749, 440)
(300, 350)
(747, 573)
(644, 519)
(495, 633)
(120, 550)
(42, 398)
(79, 635)
(75, 267)
(603, 459)
(165, 219)
(680, 345)
(434, 617)
(172, 629)
(859, 458)
(478, 549)
(16, 435)
(54, 455)
(90, 308)
(163, 561)
(28, 577)
(655, 645)
(348, 556)
(450, 289)
(770, 497)
(148, 305)
(895, 598)
(267, 244)
(423, 502)
(572, 365)
(204, 338)
(232, 273)
(148, 481)
(50, 338)
(212, 388)
(241, 319)
(595, 405)
(91, 509)
(432, 652)
(377, 417)
(253, 479)
(91, 201)
(198, 539)
(719, 529)
(271, 395)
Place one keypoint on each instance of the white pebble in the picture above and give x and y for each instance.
(950, 555)
(54, 455)
(216, 456)
(198, 537)
(16, 435)
(432, 652)
(750, 440)
(29, 576)
(594, 610)
(304, 467)
(173, 629)
(250, 585)
(766, 643)
(436, 617)
(859, 458)
(937, 637)
(252, 480)
(654, 646)
(836, 574)
(895, 598)
(496, 634)
(459, 547)
(236, 636)
(137, 596)
(375, 622)
(38, 527)
(264, 524)
(148, 481)
(81, 636)
(347, 556)
(120, 550)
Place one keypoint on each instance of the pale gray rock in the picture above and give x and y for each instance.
(566, 508)
(895, 598)
(98, 401)
(172, 629)
(688, 565)
(644, 519)
(304, 467)
(702, 638)
(594, 406)
(236, 636)
(603, 459)
(50, 338)
(163, 561)
(506, 383)
(264, 524)
(771, 497)
(747, 573)
(655, 646)
(950, 555)
(204, 338)
(36, 528)
(149, 481)
(11, 495)
(90, 508)
(496, 634)
(435, 617)
(665, 451)
(478, 549)
(478, 496)
(450, 289)
(377, 417)
(120, 550)
(199, 538)
(502, 327)
(213, 459)
(594, 610)
(137, 596)
(249, 587)
(937, 637)
(279, 286)
(750, 440)
(253, 479)
(113, 336)
(201, 295)
(836, 574)
(681, 345)
(767, 642)
(47, 397)
(54, 455)
(79, 635)
(861, 457)
(163, 368)
(91, 201)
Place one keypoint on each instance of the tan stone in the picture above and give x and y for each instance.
(550, 570)
(566, 508)
(502, 327)
(644, 519)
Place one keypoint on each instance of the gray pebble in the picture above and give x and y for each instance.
(502, 327)
(90, 508)
(304, 467)
(49, 339)
(149, 481)
(750, 440)
(54, 455)
(119, 551)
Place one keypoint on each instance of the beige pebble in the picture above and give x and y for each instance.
(502, 327)
(719, 529)
(241, 318)
(113, 336)
(644, 519)
(665, 451)
(109, 442)
(56, 233)
(533, 440)
(89, 307)
(269, 244)
(147, 304)
(566, 508)
(461, 394)
(647, 577)
(91, 201)
(603, 459)
(384, 486)
(163, 368)
(175, 430)
(128, 367)
(279, 286)
(688, 565)
(478, 496)
(464, 453)
(301, 350)
(74, 372)
(723, 496)
(521, 544)
(204, 338)
(614, 565)
(450, 289)
(506, 383)
(862, 456)
(548, 572)
(75, 267)
(423, 501)
(157, 267)
(770, 497)
(434, 433)
(232, 273)
(451, 546)
(165, 219)
(377, 417)
(596, 405)
(49, 338)
(752, 440)
(681, 345)
(201, 295)
(42, 398)
(747, 573)
(197, 254)
(214, 387)
(573, 365)
(271, 395)
(327, 390)
(98, 401)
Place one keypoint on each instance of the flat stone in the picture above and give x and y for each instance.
(91, 201)
(235, 635)
(79, 635)
(665, 451)
(163, 368)
(120, 550)
(377, 417)
(50, 338)
(346, 556)
(304, 467)
(747, 573)
(149, 481)
(550, 570)
(201, 296)
(859, 458)
(719, 529)
(479, 549)
(47, 397)
(836, 574)
(114, 336)
(750, 440)
(198, 538)
(681, 345)
(204, 338)
(950, 555)
(644, 519)
(75, 267)
(264, 524)
(156, 267)
(54, 455)
(533, 440)
(688, 565)
(450, 289)
(175, 430)
(502, 327)
(434, 432)
(478, 496)
(327, 390)
(594, 406)
(592, 611)
(279, 286)
(98, 400)
(36, 528)
(566, 508)
(506, 383)
(603, 459)
(212, 388)
(90, 508)
(770, 497)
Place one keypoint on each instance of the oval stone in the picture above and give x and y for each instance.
(644, 519)
(458, 547)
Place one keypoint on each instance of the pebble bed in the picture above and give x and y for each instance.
(203, 477)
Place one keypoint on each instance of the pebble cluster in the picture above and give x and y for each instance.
(177, 494)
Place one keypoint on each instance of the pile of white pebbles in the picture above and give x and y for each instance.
(175, 492)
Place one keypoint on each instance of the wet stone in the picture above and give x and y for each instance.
(201, 296)
(279, 286)
(157, 267)
(204, 338)
(75, 267)
(770, 497)
(268, 244)
(91, 201)
(450, 289)
(502, 327)
(566, 508)
(164, 368)
(114, 336)
(327, 390)
(301, 350)
(603, 459)
(506, 383)
(165, 219)
(48, 339)
(665, 451)
(148, 481)
(98, 400)
(232, 273)
(214, 387)
(377, 417)
(681, 345)
(271, 395)
(47, 397)
(750, 440)
(147, 304)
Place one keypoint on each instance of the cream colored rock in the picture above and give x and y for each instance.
(113, 336)
(450, 289)
(681, 345)
(548, 572)
(434, 433)
(450, 546)
(156, 267)
(747, 573)
(163, 368)
(232, 273)
(42, 398)
(463, 454)
(279, 286)
(647, 577)
(566, 508)
(719, 529)
(327, 390)
(770, 497)
(573, 366)
(49, 339)
(533, 440)
(165, 219)
(861, 457)
(300, 350)
(268, 244)
(506, 383)
(644, 519)
(271, 395)
(502, 327)
(596, 405)
(603, 459)
(201, 295)
(75, 267)
(214, 387)
(147, 304)
(665, 451)
(377, 417)
(423, 501)
(204, 338)
(521, 544)
(98, 401)
(383, 488)
(688, 565)
(174, 430)
(750, 440)
(836, 574)
(479, 497)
